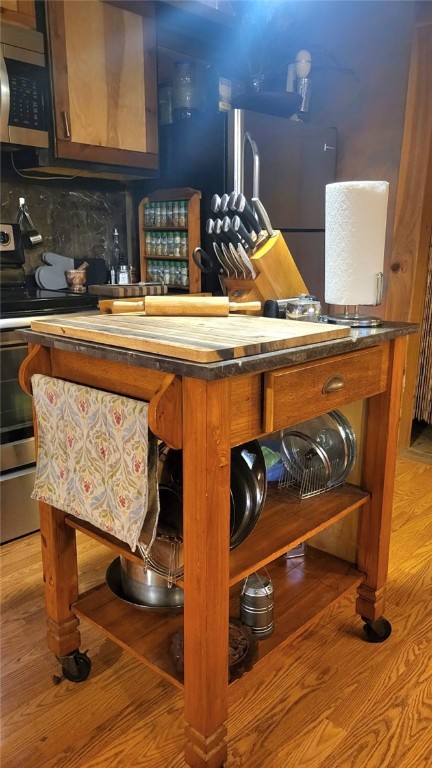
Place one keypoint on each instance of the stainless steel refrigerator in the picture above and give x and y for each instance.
(297, 160)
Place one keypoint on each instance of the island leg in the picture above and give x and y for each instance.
(206, 500)
(60, 575)
(379, 464)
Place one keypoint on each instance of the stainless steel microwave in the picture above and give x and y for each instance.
(23, 87)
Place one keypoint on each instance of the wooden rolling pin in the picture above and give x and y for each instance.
(200, 306)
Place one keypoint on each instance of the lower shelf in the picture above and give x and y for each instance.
(304, 587)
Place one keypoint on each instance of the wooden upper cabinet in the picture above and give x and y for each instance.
(20, 12)
(104, 80)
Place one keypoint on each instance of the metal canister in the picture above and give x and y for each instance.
(257, 604)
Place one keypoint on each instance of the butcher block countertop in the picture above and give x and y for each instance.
(204, 347)
(200, 339)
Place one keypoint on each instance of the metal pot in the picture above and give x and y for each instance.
(146, 587)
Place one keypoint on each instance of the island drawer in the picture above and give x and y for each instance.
(303, 391)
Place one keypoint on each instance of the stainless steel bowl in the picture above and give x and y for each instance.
(146, 587)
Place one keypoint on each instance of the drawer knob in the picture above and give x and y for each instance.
(333, 384)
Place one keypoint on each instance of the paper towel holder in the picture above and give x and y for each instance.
(354, 319)
(356, 217)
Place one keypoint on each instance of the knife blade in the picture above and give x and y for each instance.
(246, 260)
(238, 261)
(233, 262)
(220, 257)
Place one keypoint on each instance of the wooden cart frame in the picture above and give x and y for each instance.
(206, 409)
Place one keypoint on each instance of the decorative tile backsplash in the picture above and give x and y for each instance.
(74, 221)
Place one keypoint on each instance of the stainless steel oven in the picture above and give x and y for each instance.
(19, 512)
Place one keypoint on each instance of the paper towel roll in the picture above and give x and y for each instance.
(355, 226)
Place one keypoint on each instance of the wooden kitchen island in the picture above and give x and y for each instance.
(215, 385)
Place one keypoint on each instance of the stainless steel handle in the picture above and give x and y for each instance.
(66, 129)
(256, 163)
(327, 147)
(4, 100)
(333, 384)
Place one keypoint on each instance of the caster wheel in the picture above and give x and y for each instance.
(377, 631)
(76, 666)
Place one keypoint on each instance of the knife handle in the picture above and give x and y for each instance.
(215, 203)
(246, 214)
(218, 232)
(263, 216)
(223, 205)
(232, 202)
(238, 227)
(233, 237)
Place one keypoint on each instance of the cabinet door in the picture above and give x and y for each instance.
(103, 64)
(18, 12)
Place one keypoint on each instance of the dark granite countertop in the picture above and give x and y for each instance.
(360, 338)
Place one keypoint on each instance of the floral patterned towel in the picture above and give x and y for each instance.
(96, 458)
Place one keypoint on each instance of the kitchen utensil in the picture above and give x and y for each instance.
(30, 236)
(235, 255)
(199, 306)
(75, 279)
(317, 454)
(248, 482)
(246, 261)
(247, 138)
(239, 228)
(198, 339)
(186, 306)
(233, 237)
(221, 258)
(242, 649)
(233, 260)
(223, 205)
(215, 203)
(113, 582)
(220, 236)
(263, 216)
(246, 214)
(303, 307)
(241, 269)
(205, 263)
(257, 604)
(144, 586)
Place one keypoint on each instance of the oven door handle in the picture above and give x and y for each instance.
(4, 98)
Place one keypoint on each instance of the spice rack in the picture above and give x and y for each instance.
(169, 231)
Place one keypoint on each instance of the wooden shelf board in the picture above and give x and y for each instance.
(166, 228)
(285, 522)
(303, 588)
(145, 634)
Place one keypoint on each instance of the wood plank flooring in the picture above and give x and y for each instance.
(327, 700)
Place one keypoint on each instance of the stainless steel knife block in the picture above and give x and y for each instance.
(277, 274)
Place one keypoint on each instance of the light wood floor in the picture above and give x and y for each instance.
(328, 700)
